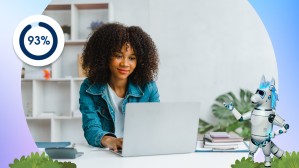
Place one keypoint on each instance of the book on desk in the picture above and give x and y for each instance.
(232, 143)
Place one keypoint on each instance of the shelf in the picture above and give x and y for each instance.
(63, 117)
(55, 117)
(38, 118)
(60, 94)
(84, 14)
(61, 13)
(26, 80)
(67, 118)
(79, 6)
(79, 79)
(75, 42)
(54, 80)
(59, 7)
(27, 99)
(92, 6)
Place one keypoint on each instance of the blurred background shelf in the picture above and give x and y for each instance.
(60, 94)
(75, 42)
(38, 118)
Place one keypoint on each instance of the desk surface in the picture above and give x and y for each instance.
(107, 159)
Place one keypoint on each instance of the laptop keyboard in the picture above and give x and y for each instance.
(119, 151)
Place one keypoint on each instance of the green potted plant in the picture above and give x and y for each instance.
(228, 122)
(67, 31)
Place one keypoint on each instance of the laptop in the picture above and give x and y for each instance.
(160, 128)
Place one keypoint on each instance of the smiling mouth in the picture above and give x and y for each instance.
(253, 102)
(123, 71)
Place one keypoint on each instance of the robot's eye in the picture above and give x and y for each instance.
(261, 92)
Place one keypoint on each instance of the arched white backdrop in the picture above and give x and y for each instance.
(206, 47)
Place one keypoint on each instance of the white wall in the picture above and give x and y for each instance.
(206, 47)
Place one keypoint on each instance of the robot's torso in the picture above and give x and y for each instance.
(260, 125)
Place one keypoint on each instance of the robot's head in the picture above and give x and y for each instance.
(265, 96)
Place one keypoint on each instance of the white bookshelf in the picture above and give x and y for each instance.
(60, 94)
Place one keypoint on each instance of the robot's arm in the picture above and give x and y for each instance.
(246, 116)
(236, 113)
(277, 120)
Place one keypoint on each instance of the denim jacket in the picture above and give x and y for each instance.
(98, 116)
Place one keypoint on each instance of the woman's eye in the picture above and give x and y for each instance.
(132, 58)
(118, 56)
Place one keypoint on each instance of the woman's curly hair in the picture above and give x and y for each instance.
(107, 40)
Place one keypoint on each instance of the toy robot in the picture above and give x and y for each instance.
(262, 120)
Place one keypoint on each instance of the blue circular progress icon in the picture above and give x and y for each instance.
(39, 57)
(38, 40)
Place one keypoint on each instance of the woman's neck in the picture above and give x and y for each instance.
(119, 86)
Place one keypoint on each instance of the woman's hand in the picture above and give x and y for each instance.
(112, 142)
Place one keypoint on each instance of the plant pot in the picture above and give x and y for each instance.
(66, 36)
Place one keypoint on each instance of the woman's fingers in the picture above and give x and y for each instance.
(114, 147)
(120, 142)
(116, 143)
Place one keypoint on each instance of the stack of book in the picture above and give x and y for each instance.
(222, 141)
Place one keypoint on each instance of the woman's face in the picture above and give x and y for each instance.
(123, 63)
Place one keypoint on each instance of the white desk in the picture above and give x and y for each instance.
(107, 159)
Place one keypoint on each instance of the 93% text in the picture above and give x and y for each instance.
(37, 39)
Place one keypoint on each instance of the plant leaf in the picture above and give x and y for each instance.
(288, 155)
(235, 101)
(221, 112)
(223, 98)
(36, 155)
(42, 155)
(16, 161)
(202, 122)
(228, 122)
(248, 96)
(233, 127)
(293, 154)
(23, 158)
(242, 96)
(205, 129)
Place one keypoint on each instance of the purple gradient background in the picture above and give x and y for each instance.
(16, 139)
(279, 17)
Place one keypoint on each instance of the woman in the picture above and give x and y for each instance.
(121, 64)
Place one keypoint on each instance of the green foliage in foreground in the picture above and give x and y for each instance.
(228, 122)
(245, 163)
(290, 161)
(36, 161)
(68, 165)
